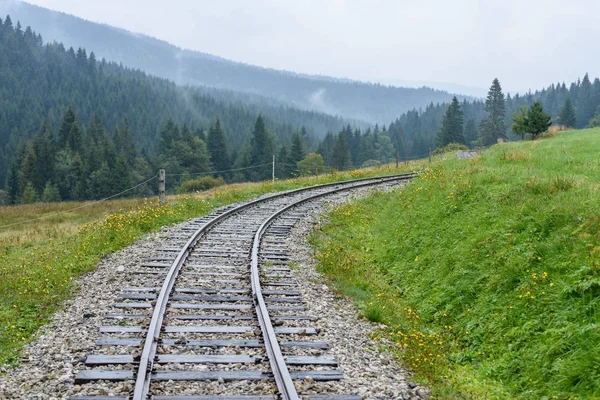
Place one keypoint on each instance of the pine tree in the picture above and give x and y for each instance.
(595, 121)
(493, 127)
(51, 194)
(567, 115)
(124, 142)
(296, 152)
(586, 101)
(29, 195)
(13, 184)
(452, 125)
(262, 145)
(340, 157)
(70, 132)
(29, 165)
(168, 136)
(283, 167)
(217, 147)
(81, 187)
(471, 132)
(45, 151)
(122, 174)
(537, 120)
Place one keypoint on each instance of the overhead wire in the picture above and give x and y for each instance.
(82, 206)
(218, 172)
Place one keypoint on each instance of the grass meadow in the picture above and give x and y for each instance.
(486, 271)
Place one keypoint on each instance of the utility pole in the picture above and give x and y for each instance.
(273, 169)
(429, 155)
(161, 186)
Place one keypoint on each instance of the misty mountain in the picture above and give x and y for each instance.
(41, 81)
(350, 99)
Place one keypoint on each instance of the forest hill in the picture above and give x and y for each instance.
(82, 163)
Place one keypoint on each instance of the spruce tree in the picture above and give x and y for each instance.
(122, 174)
(586, 101)
(45, 151)
(595, 121)
(262, 146)
(537, 120)
(567, 115)
(217, 147)
(493, 127)
(29, 165)
(70, 135)
(283, 167)
(452, 125)
(51, 194)
(168, 136)
(340, 157)
(296, 152)
(124, 142)
(471, 132)
(13, 184)
(29, 195)
(65, 130)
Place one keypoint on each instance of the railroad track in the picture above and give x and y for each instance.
(216, 312)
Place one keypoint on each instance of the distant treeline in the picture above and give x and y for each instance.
(470, 123)
(74, 128)
(416, 131)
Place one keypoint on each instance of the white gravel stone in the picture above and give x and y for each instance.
(51, 362)
(367, 371)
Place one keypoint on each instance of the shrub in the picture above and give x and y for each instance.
(371, 163)
(553, 131)
(450, 147)
(201, 184)
(312, 164)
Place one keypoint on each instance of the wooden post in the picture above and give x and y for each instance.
(161, 186)
(397, 160)
(430, 155)
(273, 169)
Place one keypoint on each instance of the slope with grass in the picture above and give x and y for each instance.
(40, 261)
(487, 271)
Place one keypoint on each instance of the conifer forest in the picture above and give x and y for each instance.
(75, 128)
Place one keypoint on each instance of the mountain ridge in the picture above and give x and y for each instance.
(370, 102)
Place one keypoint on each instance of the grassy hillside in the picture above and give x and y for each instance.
(487, 271)
(39, 261)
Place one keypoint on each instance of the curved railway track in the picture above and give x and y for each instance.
(218, 305)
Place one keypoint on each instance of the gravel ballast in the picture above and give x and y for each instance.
(50, 363)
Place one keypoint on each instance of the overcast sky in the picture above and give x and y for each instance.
(525, 43)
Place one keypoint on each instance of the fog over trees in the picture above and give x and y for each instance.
(73, 127)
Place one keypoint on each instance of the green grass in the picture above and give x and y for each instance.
(40, 261)
(486, 271)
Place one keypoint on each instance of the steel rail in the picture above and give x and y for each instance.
(148, 355)
(284, 381)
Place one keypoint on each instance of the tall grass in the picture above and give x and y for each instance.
(487, 271)
(41, 260)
